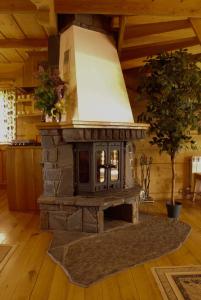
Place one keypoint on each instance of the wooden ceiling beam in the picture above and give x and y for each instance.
(196, 25)
(138, 60)
(142, 20)
(17, 6)
(23, 43)
(159, 37)
(121, 33)
(46, 15)
(130, 7)
(153, 28)
(154, 49)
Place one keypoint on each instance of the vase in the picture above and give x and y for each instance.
(48, 118)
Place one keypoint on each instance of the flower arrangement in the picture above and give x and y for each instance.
(49, 95)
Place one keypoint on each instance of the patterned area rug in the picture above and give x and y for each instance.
(179, 283)
(5, 253)
(87, 258)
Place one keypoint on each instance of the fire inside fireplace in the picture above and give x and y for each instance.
(99, 167)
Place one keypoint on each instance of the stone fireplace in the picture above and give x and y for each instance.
(87, 171)
(87, 160)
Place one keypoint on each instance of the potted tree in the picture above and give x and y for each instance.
(171, 84)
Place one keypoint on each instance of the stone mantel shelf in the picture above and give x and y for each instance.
(91, 125)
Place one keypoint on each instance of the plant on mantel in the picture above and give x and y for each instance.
(49, 94)
(171, 84)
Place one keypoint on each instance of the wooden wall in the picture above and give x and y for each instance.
(2, 166)
(26, 128)
(24, 177)
(160, 185)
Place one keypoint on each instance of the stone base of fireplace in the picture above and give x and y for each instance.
(86, 213)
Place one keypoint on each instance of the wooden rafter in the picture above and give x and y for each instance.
(134, 63)
(23, 43)
(159, 37)
(142, 20)
(153, 28)
(131, 7)
(153, 49)
(46, 15)
(196, 25)
(121, 32)
(17, 6)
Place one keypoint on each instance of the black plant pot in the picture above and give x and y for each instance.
(173, 211)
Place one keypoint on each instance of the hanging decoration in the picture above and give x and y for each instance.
(7, 116)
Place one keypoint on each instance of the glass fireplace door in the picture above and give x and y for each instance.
(99, 166)
(108, 166)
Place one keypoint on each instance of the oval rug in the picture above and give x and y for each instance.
(87, 258)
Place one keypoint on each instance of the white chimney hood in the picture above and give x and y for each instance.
(89, 62)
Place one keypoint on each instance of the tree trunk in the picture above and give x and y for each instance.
(173, 178)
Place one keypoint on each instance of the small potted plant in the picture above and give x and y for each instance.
(171, 84)
(49, 95)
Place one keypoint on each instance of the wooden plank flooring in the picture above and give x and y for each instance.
(31, 274)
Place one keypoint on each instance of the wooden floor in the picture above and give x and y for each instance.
(31, 274)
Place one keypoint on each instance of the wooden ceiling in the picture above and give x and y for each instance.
(24, 28)
(131, 7)
(144, 27)
(142, 36)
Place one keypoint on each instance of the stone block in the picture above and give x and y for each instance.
(135, 212)
(48, 200)
(52, 174)
(65, 155)
(50, 165)
(109, 134)
(90, 220)
(57, 139)
(102, 134)
(72, 135)
(133, 134)
(52, 155)
(129, 166)
(100, 221)
(115, 134)
(139, 134)
(47, 141)
(122, 134)
(44, 155)
(51, 132)
(50, 188)
(94, 134)
(44, 220)
(43, 132)
(49, 207)
(74, 221)
(128, 134)
(58, 220)
(66, 186)
(87, 134)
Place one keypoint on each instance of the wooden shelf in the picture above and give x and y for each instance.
(26, 106)
(29, 115)
(24, 101)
